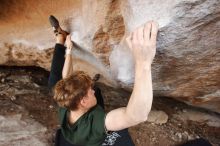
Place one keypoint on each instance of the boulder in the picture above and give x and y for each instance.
(186, 66)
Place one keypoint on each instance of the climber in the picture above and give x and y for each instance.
(81, 109)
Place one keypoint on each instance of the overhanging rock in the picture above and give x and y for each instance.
(186, 66)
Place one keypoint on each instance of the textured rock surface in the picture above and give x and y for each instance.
(158, 117)
(187, 62)
(200, 117)
(15, 131)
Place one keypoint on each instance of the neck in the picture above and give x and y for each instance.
(75, 115)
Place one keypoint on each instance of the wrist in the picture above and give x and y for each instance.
(143, 65)
(68, 51)
(142, 71)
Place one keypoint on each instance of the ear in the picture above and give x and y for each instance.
(83, 101)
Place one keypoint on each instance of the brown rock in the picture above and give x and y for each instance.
(186, 66)
(157, 117)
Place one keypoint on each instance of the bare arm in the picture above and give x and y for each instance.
(68, 68)
(142, 43)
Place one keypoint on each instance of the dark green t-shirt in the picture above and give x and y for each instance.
(88, 130)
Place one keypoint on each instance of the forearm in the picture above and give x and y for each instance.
(67, 68)
(142, 43)
(139, 104)
(141, 98)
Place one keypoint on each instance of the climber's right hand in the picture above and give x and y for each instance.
(142, 43)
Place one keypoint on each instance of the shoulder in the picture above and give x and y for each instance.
(96, 117)
(97, 110)
(96, 113)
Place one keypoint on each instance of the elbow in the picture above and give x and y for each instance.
(145, 117)
(142, 119)
(136, 119)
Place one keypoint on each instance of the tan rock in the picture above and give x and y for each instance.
(212, 120)
(157, 117)
(186, 66)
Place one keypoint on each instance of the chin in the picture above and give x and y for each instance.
(95, 104)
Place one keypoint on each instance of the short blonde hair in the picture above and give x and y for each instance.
(69, 91)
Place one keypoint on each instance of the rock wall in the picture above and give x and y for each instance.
(186, 66)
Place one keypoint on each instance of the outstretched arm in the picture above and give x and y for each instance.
(142, 43)
(68, 68)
